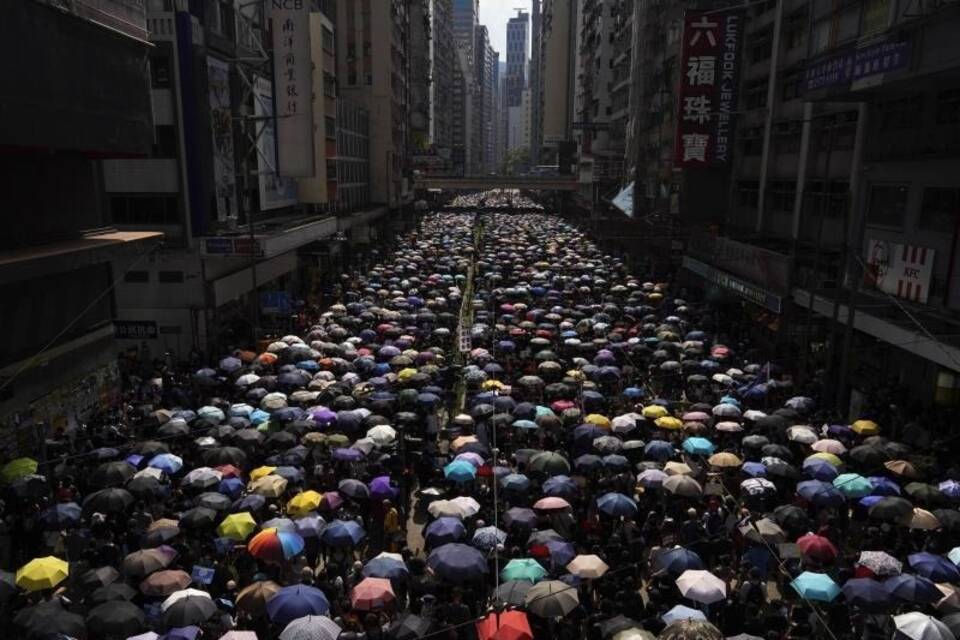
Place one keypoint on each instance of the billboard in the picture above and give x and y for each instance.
(293, 81)
(902, 270)
(850, 67)
(275, 190)
(221, 127)
(707, 97)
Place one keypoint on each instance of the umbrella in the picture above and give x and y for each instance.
(16, 469)
(108, 501)
(253, 598)
(815, 586)
(682, 485)
(911, 588)
(820, 493)
(164, 583)
(523, 569)
(270, 486)
(187, 607)
(457, 562)
(551, 599)
(921, 519)
(867, 594)
(42, 573)
(508, 625)
(616, 504)
(296, 601)
(311, 627)
(698, 446)
(701, 586)
(460, 471)
(372, 593)
(146, 561)
(114, 592)
(891, 508)
(343, 533)
(918, 626)
(549, 463)
(487, 538)
(50, 620)
(677, 560)
(386, 565)
(587, 567)
(724, 460)
(817, 548)
(237, 526)
(763, 530)
(934, 567)
(680, 614)
(513, 592)
(117, 619)
(444, 530)
(61, 516)
(853, 485)
(880, 563)
(274, 545)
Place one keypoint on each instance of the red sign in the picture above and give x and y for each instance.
(709, 79)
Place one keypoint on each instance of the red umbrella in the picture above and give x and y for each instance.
(372, 593)
(229, 471)
(817, 548)
(509, 625)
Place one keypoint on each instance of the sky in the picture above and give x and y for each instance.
(494, 14)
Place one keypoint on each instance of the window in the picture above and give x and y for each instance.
(791, 87)
(826, 199)
(160, 72)
(939, 209)
(782, 194)
(902, 113)
(876, 14)
(761, 50)
(948, 106)
(136, 276)
(748, 193)
(820, 37)
(170, 276)
(888, 204)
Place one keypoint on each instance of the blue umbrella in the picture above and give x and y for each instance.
(486, 538)
(680, 613)
(616, 504)
(343, 533)
(230, 364)
(520, 516)
(386, 567)
(61, 516)
(659, 450)
(585, 434)
(884, 486)
(457, 563)
(515, 482)
(615, 461)
(698, 446)
(296, 601)
(166, 462)
(560, 486)
(525, 424)
(820, 493)
(950, 488)
(561, 552)
(231, 487)
(819, 469)
(676, 561)
(867, 594)
(182, 633)
(934, 567)
(815, 586)
(911, 588)
(754, 469)
(252, 502)
(588, 462)
(310, 526)
(444, 530)
(460, 471)
(347, 454)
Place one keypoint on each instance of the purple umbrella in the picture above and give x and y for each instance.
(323, 416)
(295, 602)
(381, 489)
(351, 455)
(456, 562)
(444, 530)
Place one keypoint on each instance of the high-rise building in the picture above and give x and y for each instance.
(492, 81)
(536, 81)
(558, 76)
(419, 77)
(442, 63)
(518, 32)
(373, 71)
(466, 126)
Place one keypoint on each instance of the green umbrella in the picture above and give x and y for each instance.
(853, 485)
(523, 569)
(16, 469)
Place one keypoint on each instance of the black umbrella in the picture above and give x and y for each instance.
(121, 619)
(409, 627)
(111, 474)
(616, 625)
(925, 494)
(891, 509)
(145, 487)
(50, 620)
(792, 518)
(115, 592)
(777, 451)
(953, 623)
(198, 518)
(151, 448)
(225, 455)
(189, 609)
(96, 578)
(108, 501)
(8, 585)
(513, 592)
(949, 518)
(213, 500)
(868, 455)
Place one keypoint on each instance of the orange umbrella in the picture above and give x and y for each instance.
(253, 599)
(267, 358)
(509, 625)
(372, 593)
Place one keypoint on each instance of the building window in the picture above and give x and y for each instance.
(136, 276)
(791, 88)
(901, 113)
(948, 106)
(826, 199)
(820, 37)
(876, 14)
(888, 204)
(748, 193)
(940, 208)
(160, 71)
(782, 195)
(170, 277)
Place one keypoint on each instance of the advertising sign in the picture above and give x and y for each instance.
(709, 78)
(739, 286)
(221, 126)
(293, 82)
(232, 247)
(275, 190)
(902, 270)
(762, 266)
(860, 64)
(135, 329)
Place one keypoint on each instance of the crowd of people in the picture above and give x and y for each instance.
(498, 432)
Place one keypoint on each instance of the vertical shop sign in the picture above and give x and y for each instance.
(709, 80)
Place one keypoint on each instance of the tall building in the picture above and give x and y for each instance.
(442, 63)
(78, 93)
(492, 159)
(466, 126)
(558, 76)
(373, 72)
(536, 81)
(518, 30)
(419, 74)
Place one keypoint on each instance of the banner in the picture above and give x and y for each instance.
(275, 190)
(221, 126)
(902, 270)
(707, 98)
(293, 82)
(859, 64)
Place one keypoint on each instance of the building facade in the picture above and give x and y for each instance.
(558, 76)
(536, 81)
(442, 62)
(518, 41)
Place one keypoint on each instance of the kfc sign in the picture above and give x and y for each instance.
(709, 80)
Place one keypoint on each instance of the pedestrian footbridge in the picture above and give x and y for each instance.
(482, 183)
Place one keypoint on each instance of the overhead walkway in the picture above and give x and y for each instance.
(481, 183)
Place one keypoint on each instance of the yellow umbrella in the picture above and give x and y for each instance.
(668, 422)
(237, 526)
(406, 374)
(42, 573)
(865, 427)
(492, 385)
(268, 486)
(655, 411)
(304, 503)
(725, 459)
(597, 419)
(260, 472)
(462, 441)
(18, 468)
(576, 375)
(827, 457)
(674, 468)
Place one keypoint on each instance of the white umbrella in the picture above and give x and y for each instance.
(180, 595)
(918, 626)
(364, 444)
(468, 505)
(246, 380)
(729, 426)
(829, 445)
(701, 586)
(446, 508)
(587, 566)
(802, 433)
(382, 434)
(758, 486)
(311, 628)
(753, 415)
(149, 472)
(273, 401)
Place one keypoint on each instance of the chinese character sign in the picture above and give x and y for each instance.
(709, 79)
(293, 86)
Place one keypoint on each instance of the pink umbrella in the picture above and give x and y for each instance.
(729, 427)
(696, 416)
(473, 458)
(331, 501)
(552, 502)
(372, 593)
